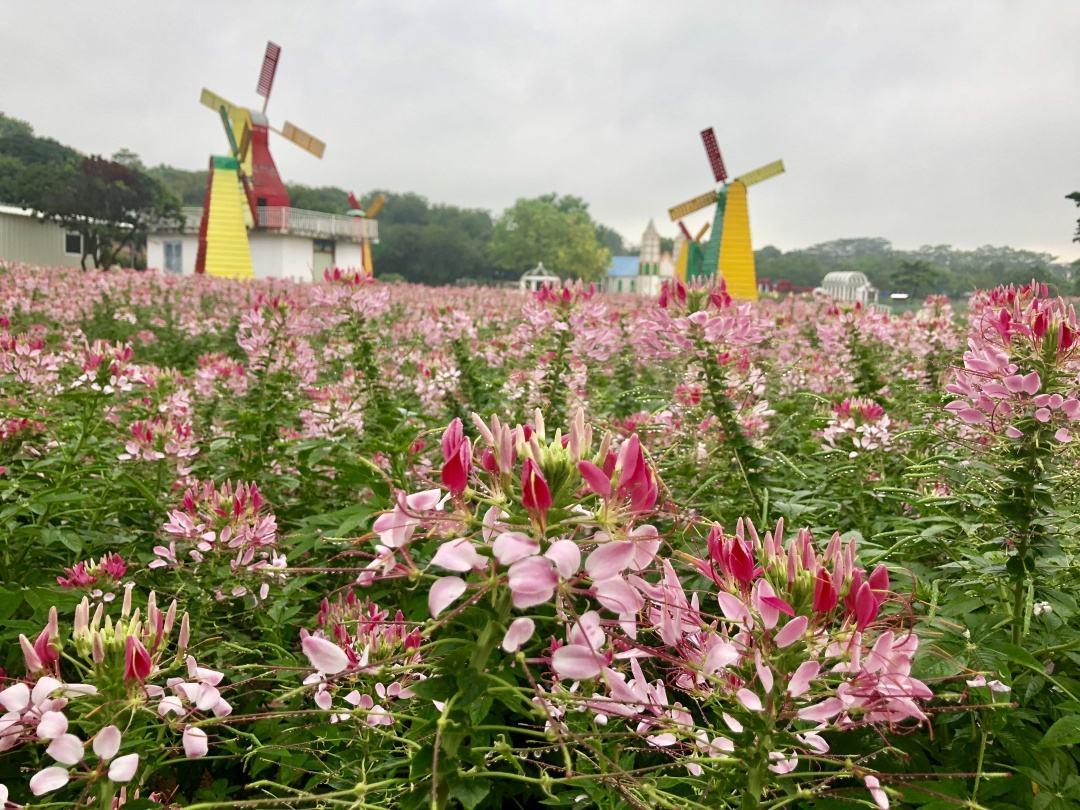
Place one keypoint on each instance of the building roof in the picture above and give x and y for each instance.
(851, 277)
(623, 266)
(539, 273)
(15, 211)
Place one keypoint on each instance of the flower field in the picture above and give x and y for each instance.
(363, 545)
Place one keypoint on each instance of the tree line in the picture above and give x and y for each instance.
(930, 269)
(114, 202)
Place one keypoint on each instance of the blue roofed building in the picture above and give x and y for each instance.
(622, 274)
(644, 273)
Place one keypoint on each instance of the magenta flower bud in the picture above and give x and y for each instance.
(185, 634)
(535, 495)
(137, 663)
(34, 664)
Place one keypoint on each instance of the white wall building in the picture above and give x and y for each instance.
(27, 239)
(289, 244)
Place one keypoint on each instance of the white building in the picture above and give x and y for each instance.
(848, 285)
(27, 239)
(289, 243)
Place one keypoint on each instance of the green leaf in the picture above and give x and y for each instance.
(470, 792)
(1065, 731)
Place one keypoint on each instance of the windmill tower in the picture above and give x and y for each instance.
(244, 189)
(729, 253)
(356, 210)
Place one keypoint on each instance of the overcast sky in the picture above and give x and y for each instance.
(923, 122)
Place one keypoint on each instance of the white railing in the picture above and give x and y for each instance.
(317, 224)
(300, 222)
(192, 217)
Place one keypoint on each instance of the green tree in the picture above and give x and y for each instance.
(17, 140)
(613, 241)
(1075, 197)
(556, 231)
(917, 277)
(111, 205)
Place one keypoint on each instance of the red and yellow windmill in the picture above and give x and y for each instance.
(729, 253)
(357, 210)
(244, 189)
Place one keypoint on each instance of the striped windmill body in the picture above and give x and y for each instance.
(259, 192)
(356, 210)
(729, 253)
(223, 242)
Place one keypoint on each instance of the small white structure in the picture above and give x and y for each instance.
(848, 285)
(289, 243)
(533, 280)
(28, 239)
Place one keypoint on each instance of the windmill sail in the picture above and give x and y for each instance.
(712, 150)
(210, 99)
(690, 206)
(269, 68)
(376, 206)
(305, 140)
(762, 173)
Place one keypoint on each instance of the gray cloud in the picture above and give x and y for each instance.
(947, 122)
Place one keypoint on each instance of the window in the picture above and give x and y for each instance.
(174, 257)
(73, 243)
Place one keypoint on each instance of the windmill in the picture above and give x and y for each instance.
(357, 210)
(247, 175)
(691, 253)
(728, 253)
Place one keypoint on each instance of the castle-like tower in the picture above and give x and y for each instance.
(649, 262)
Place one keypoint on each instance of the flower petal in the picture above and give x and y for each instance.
(52, 725)
(67, 749)
(122, 769)
(791, 632)
(457, 555)
(520, 631)
(107, 742)
(15, 698)
(194, 740)
(443, 593)
(509, 547)
(749, 700)
(324, 655)
(48, 779)
(576, 662)
(610, 559)
(567, 557)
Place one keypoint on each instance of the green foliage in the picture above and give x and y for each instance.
(931, 269)
(111, 204)
(557, 231)
(1075, 197)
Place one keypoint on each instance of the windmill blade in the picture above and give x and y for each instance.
(690, 206)
(376, 206)
(354, 203)
(712, 150)
(269, 68)
(701, 232)
(225, 122)
(762, 173)
(685, 232)
(305, 140)
(210, 99)
(245, 143)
